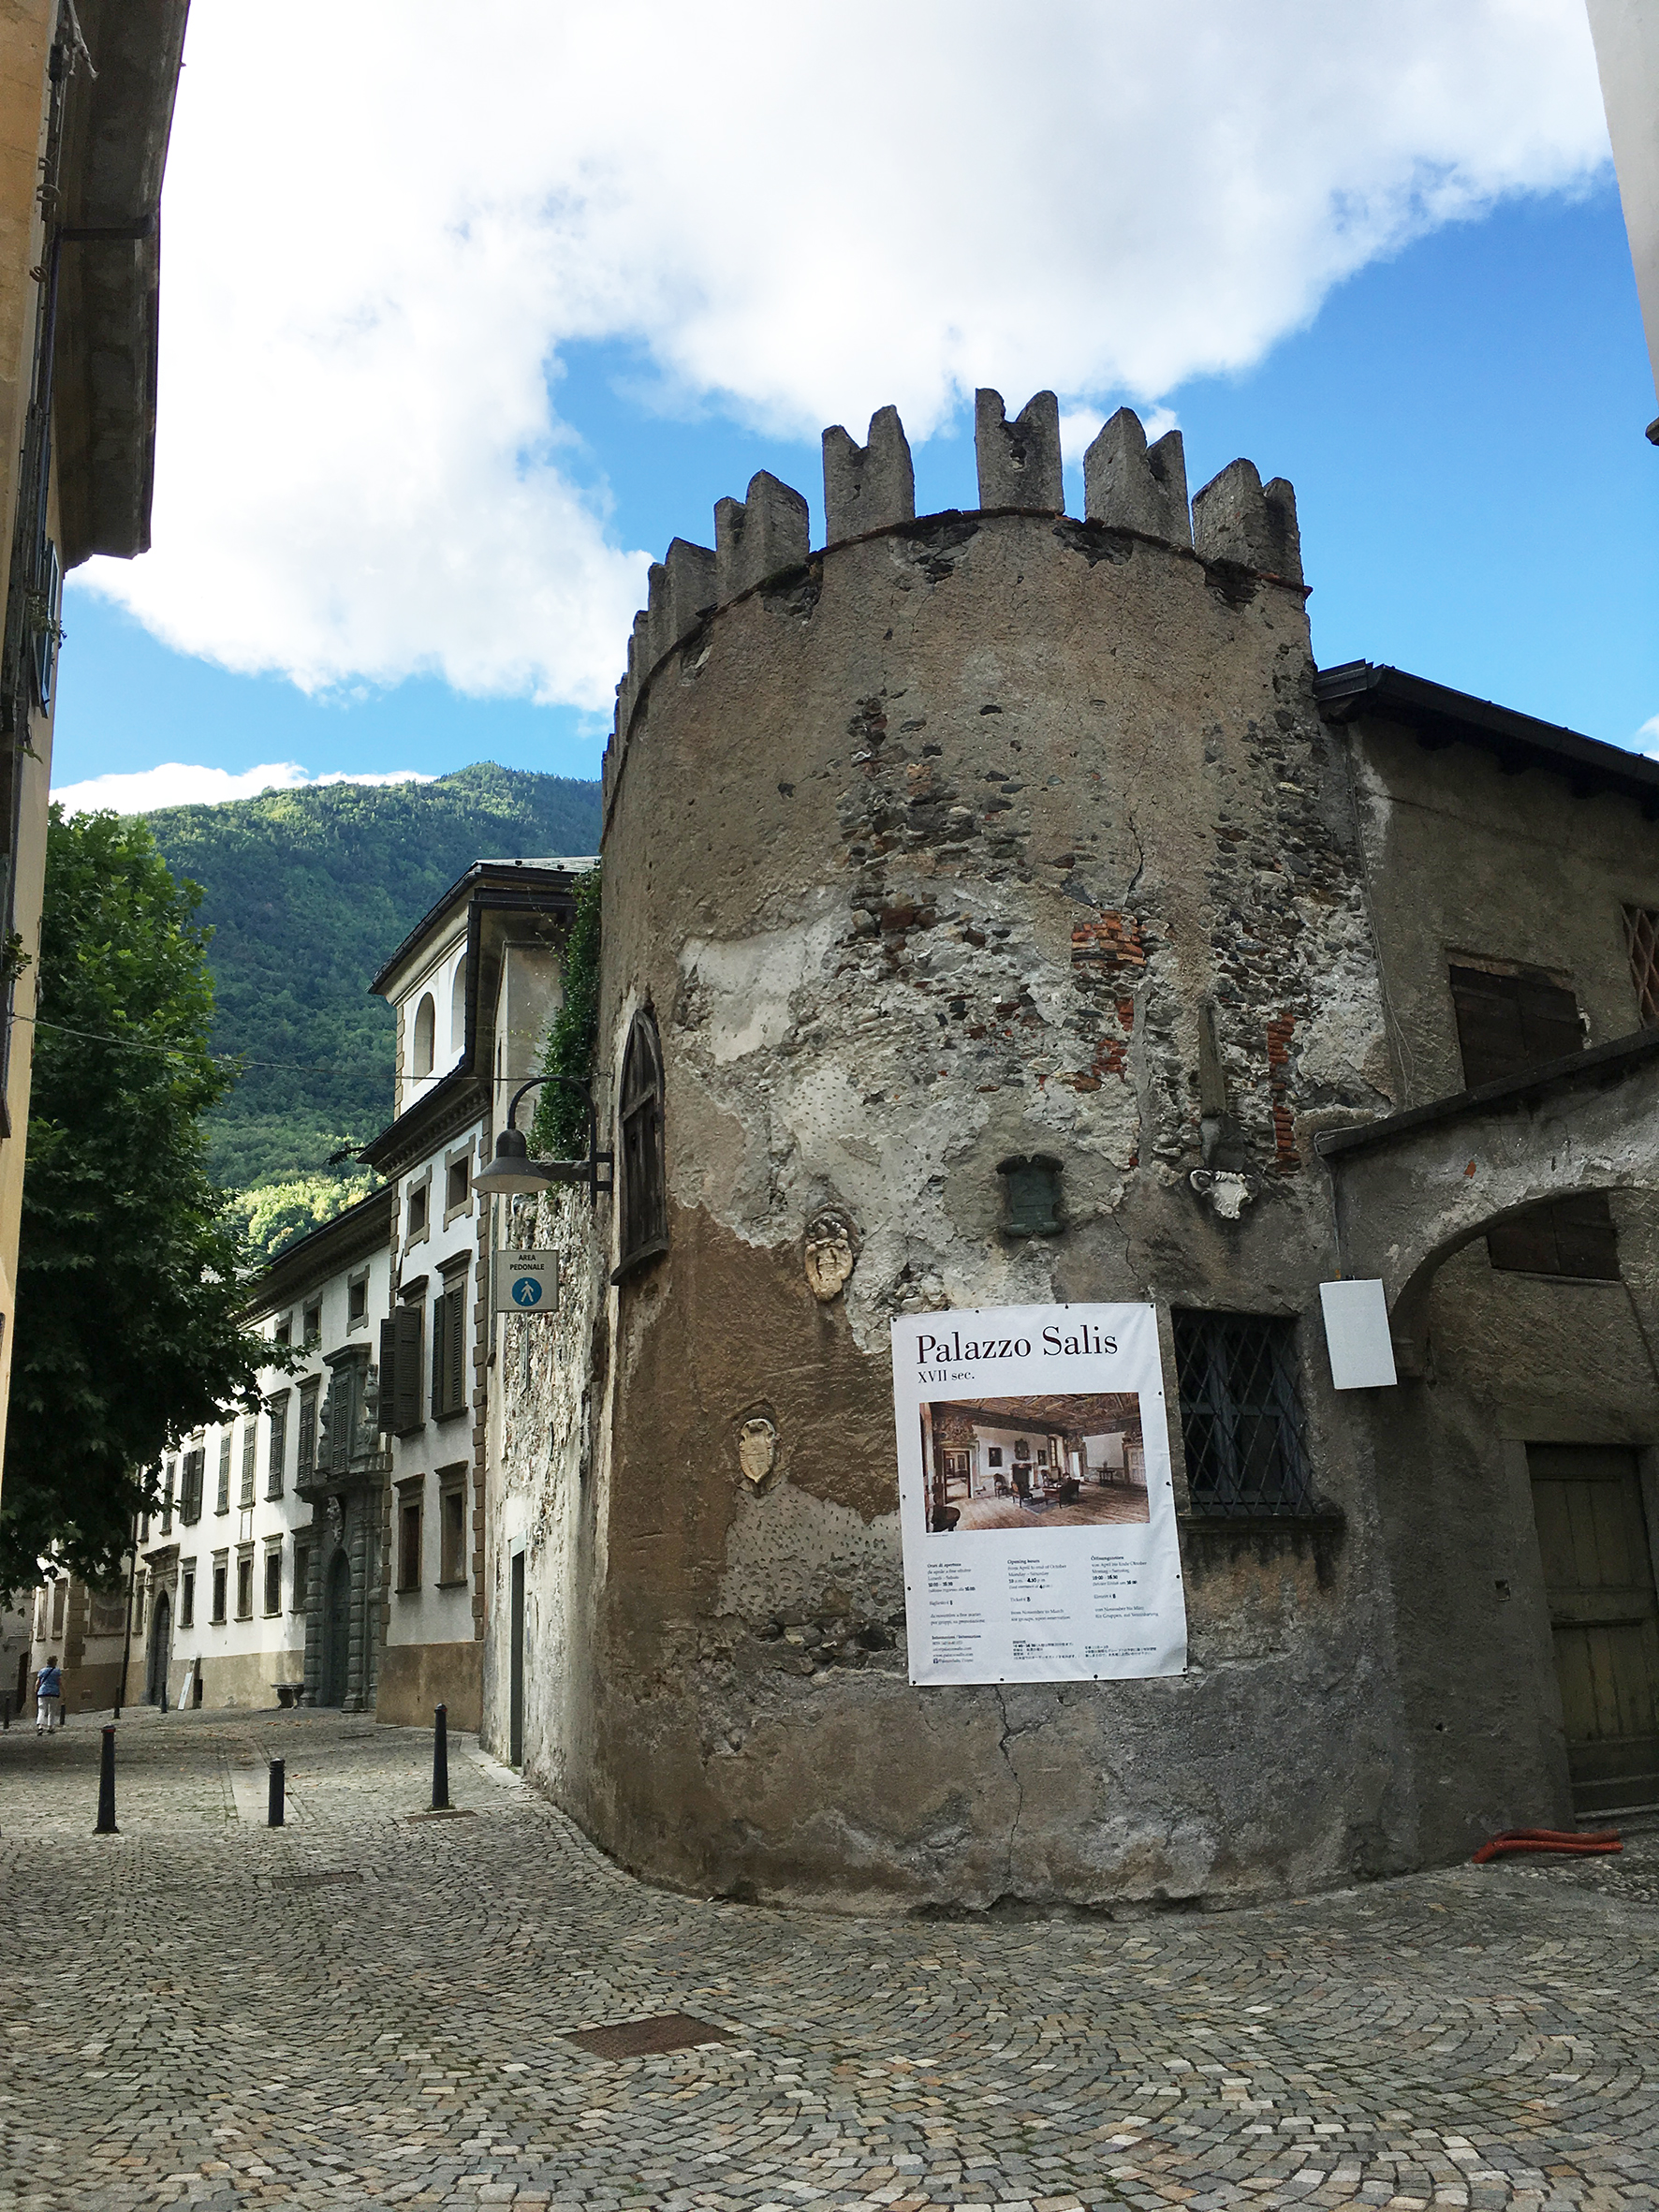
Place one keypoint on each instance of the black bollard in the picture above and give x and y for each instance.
(106, 1785)
(440, 1761)
(273, 1808)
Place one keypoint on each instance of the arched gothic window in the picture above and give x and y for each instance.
(426, 1022)
(643, 1185)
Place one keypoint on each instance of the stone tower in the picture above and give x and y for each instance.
(968, 838)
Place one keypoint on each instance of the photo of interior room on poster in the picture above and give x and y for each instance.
(1021, 1463)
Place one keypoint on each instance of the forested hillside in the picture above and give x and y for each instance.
(307, 892)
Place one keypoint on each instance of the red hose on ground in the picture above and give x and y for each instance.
(1569, 1843)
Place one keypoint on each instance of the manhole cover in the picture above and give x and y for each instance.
(640, 2039)
(315, 1881)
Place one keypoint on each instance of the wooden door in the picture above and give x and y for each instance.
(161, 1629)
(336, 1632)
(1598, 1568)
(515, 1688)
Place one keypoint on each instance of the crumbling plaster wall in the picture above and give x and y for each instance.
(941, 848)
(1463, 860)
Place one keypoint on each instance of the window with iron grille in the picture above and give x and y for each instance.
(244, 1582)
(222, 1503)
(643, 1182)
(250, 1451)
(273, 1576)
(1641, 935)
(1240, 1415)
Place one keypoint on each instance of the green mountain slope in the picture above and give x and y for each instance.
(307, 893)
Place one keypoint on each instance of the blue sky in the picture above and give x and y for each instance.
(1462, 418)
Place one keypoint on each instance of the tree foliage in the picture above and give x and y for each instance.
(559, 1130)
(126, 1334)
(274, 1213)
(307, 892)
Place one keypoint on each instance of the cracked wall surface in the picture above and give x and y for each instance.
(981, 836)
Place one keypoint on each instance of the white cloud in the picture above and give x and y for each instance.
(383, 222)
(176, 783)
(1647, 738)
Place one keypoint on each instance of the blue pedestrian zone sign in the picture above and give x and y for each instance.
(526, 1282)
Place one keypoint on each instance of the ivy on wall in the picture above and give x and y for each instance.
(559, 1130)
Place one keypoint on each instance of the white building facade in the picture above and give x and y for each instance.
(475, 986)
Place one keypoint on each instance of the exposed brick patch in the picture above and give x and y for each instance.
(1108, 955)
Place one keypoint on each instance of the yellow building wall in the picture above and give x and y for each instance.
(26, 36)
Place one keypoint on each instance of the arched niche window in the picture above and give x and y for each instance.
(426, 1022)
(457, 1009)
(641, 1184)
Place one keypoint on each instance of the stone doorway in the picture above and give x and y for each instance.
(161, 1636)
(1604, 1619)
(337, 1631)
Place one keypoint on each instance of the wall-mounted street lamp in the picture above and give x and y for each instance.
(512, 1172)
(1030, 1186)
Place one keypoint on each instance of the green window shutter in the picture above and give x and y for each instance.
(406, 1410)
(456, 1301)
(388, 1375)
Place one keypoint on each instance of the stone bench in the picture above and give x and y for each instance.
(288, 1693)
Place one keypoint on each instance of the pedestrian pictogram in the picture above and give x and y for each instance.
(526, 1282)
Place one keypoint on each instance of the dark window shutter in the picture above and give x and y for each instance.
(457, 1347)
(389, 1372)
(1509, 1023)
(406, 1410)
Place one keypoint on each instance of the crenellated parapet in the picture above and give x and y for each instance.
(1129, 486)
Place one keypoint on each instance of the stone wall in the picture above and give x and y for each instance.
(983, 835)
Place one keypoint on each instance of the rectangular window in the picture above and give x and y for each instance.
(284, 1329)
(1240, 1415)
(221, 1577)
(458, 1186)
(312, 1333)
(301, 1576)
(168, 1477)
(408, 1540)
(306, 1465)
(250, 1451)
(417, 1213)
(401, 1363)
(277, 1462)
(190, 1496)
(60, 1598)
(187, 1598)
(357, 1301)
(273, 1578)
(222, 1503)
(1507, 1024)
(449, 1350)
(1641, 935)
(452, 1526)
(244, 1582)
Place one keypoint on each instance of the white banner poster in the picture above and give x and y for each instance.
(1035, 1496)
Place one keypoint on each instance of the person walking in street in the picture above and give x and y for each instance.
(48, 1697)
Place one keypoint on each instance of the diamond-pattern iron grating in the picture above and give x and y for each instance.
(1240, 1415)
(1641, 933)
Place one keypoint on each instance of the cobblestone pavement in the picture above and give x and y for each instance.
(362, 2009)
